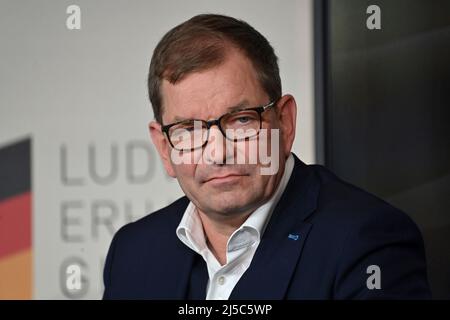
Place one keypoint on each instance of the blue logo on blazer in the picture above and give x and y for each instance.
(293, 236)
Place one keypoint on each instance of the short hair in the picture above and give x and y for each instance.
(201, 43)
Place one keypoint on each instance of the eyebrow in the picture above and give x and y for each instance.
(239, 106)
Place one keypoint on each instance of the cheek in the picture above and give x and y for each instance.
(256, 151)
(185, 173)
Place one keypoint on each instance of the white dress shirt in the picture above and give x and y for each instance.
(241, 245)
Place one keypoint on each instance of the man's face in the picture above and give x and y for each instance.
(215, 187)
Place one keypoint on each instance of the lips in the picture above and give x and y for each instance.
(223, 177)
(226, 177)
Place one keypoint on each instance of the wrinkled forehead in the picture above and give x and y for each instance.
(209, 93)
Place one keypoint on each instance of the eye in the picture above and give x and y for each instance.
(190, 128)
(243, 119)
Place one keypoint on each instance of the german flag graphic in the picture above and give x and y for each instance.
(16, 254)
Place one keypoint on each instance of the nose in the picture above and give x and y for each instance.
(216, 151)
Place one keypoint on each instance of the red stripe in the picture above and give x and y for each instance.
(15, 224)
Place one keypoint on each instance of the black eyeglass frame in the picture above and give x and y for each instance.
(208, 124)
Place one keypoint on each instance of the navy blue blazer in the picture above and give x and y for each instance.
(319, 243)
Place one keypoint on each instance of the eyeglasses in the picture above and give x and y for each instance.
(188, 135)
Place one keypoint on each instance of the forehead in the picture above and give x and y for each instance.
(208, 94)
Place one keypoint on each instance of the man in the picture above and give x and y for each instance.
(276, 229)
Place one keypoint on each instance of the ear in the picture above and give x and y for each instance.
(287, 116)
(162, 146)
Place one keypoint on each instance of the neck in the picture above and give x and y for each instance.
(218, 231)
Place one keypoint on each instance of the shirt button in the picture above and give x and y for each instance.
(221, 280)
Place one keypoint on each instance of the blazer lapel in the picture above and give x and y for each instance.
(280, 248)
(177, 271)
(175, 266)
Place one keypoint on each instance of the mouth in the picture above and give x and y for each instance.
(225, 179)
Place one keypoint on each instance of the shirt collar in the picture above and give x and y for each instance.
(260, 217)
(190, 229)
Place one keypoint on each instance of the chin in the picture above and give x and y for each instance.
(230, 204)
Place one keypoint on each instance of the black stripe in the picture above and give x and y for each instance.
(15, 169)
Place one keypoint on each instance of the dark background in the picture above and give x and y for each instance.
(382, 104)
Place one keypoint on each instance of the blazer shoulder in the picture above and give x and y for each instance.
(135, 246)
(358, 230)
(347, 206)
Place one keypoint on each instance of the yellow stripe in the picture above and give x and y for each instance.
(16, 275)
